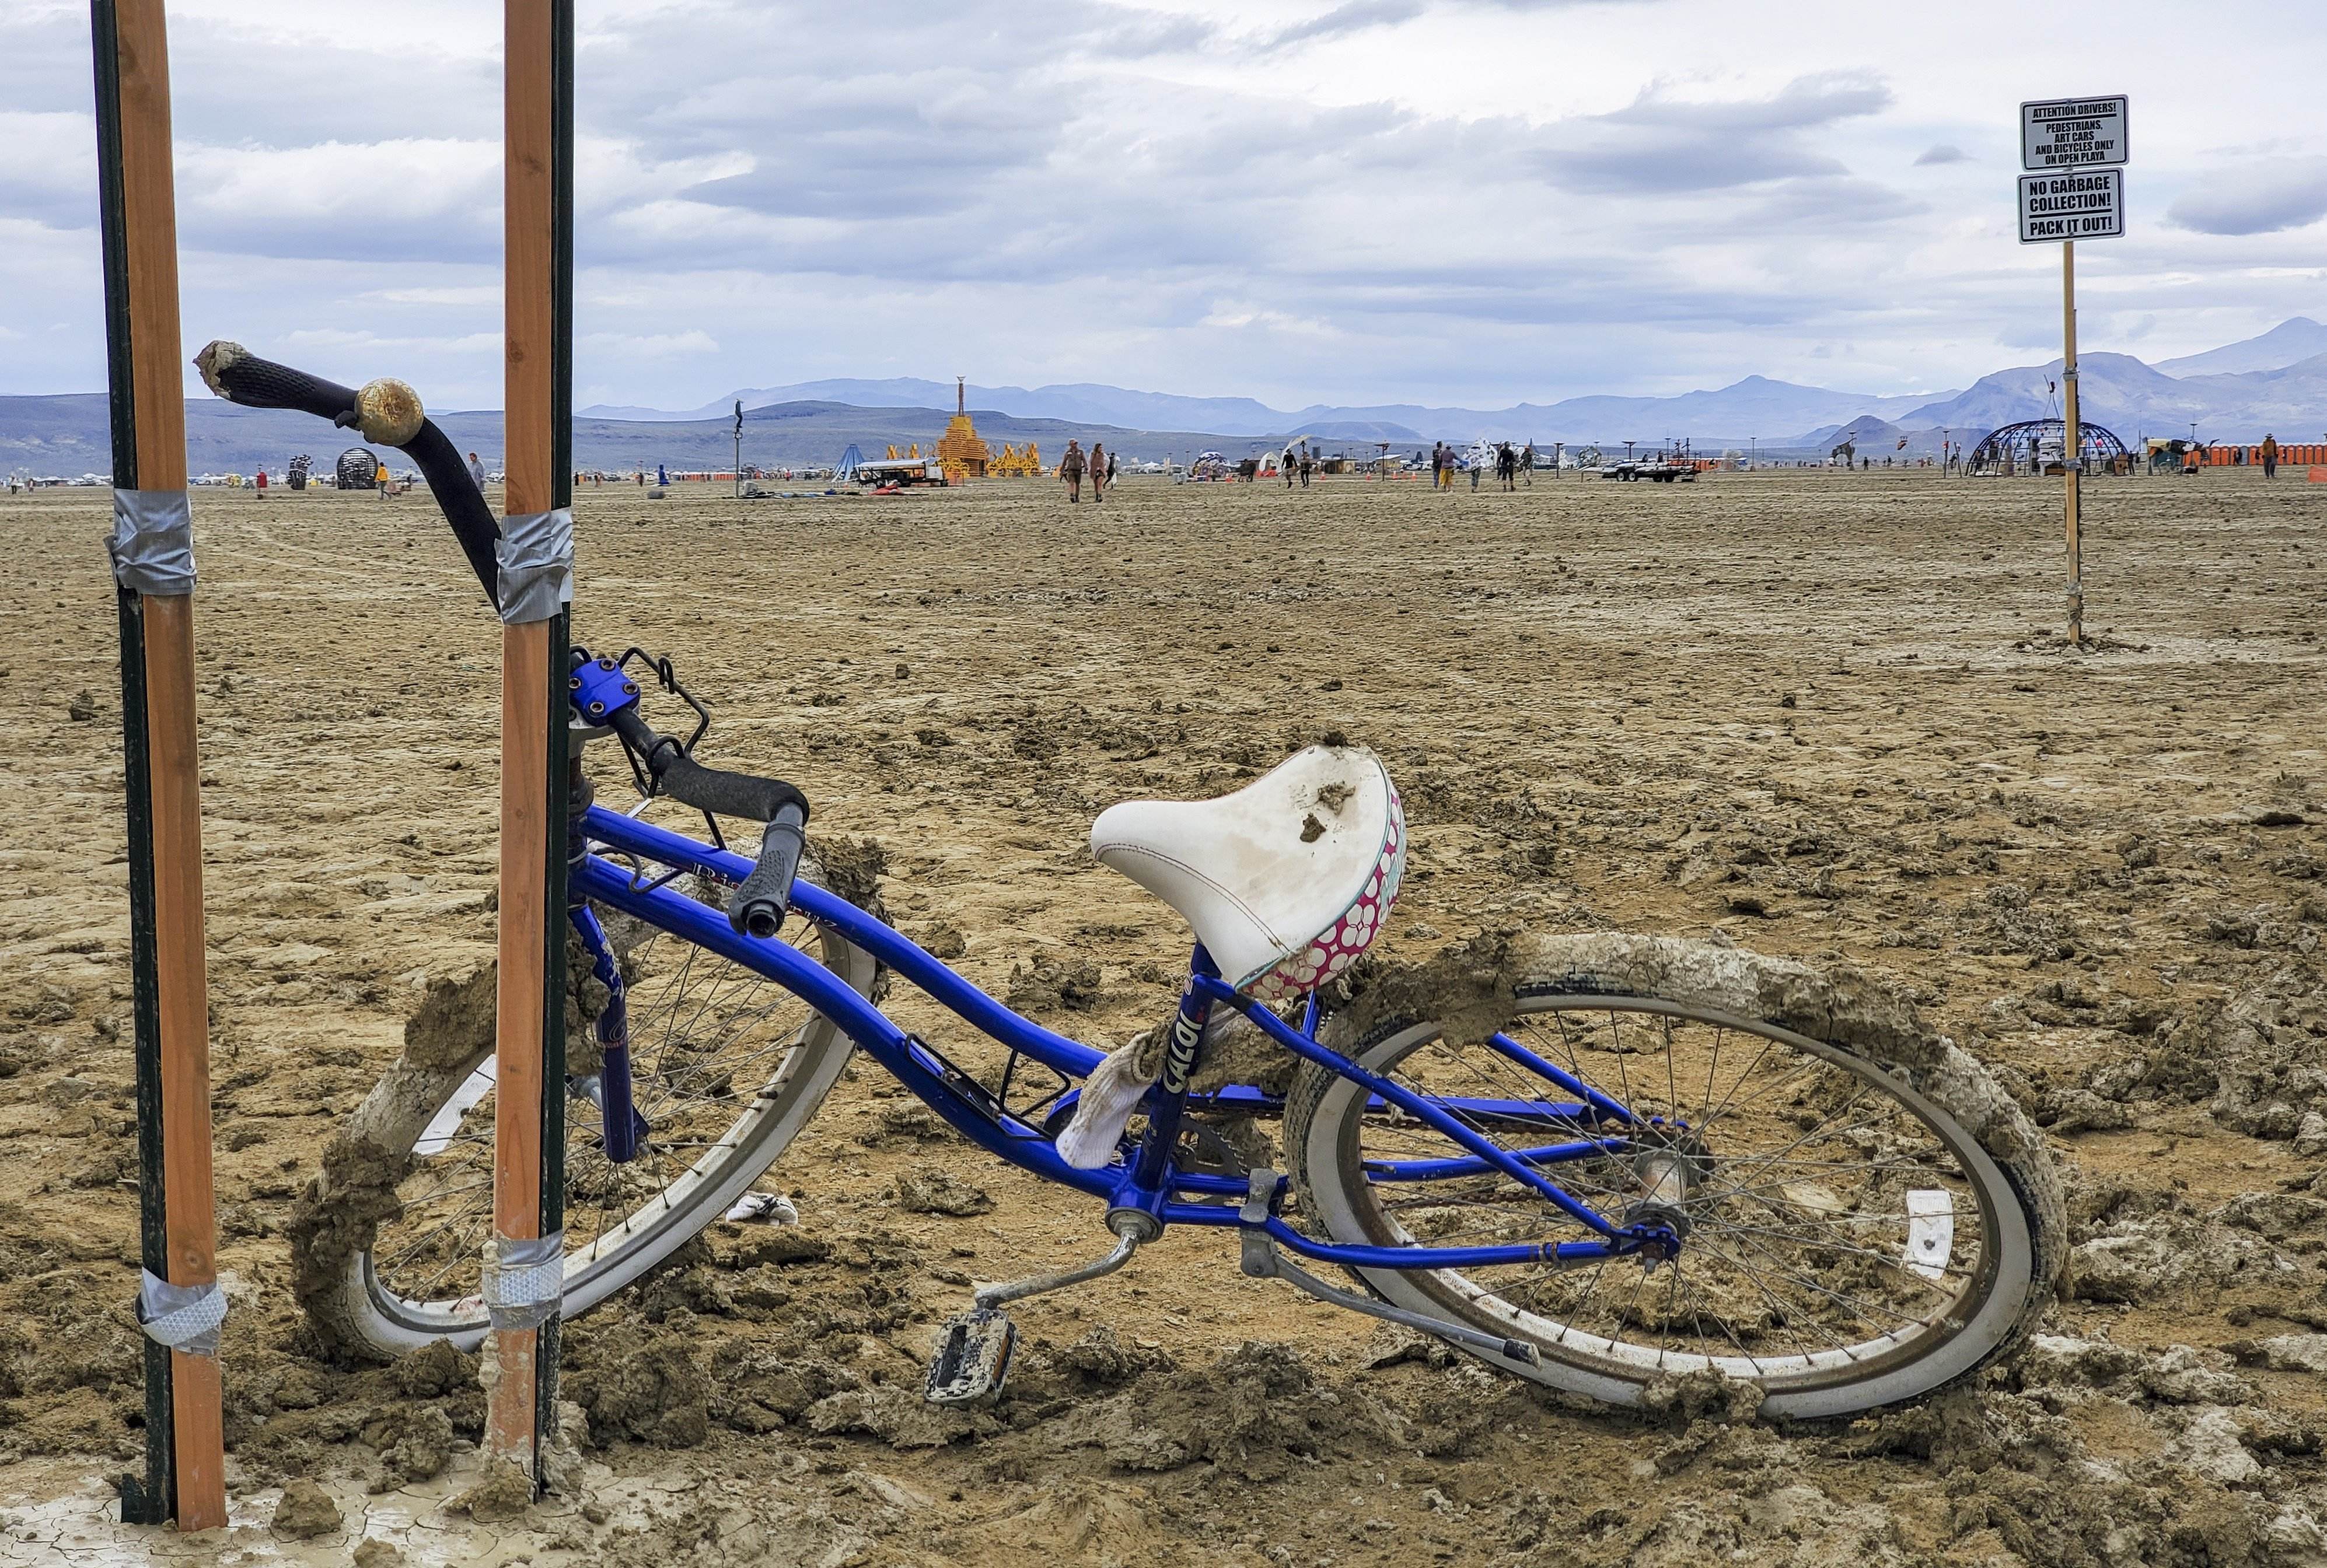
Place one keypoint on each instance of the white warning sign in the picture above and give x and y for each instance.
(2072, 132)
(2074, 204)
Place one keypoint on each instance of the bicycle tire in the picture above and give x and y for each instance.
(371, 1162)
(1847, 1029)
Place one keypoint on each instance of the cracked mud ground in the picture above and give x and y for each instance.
(1829, 716)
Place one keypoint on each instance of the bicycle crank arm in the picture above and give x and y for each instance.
(1262, 1260)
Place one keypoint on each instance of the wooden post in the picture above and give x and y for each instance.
(186, 1466)
(530, 1089)
(2073, 455)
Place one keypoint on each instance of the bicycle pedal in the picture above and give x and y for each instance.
(972, 1359)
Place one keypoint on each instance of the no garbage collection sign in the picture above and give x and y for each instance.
(2074, 204)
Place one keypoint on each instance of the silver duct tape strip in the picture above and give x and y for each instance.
(525, 1280)
(536, 554)
(182, 1317)
(153, 542)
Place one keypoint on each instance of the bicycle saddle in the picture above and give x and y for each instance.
(1286, 881)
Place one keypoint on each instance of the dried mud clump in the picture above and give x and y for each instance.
(342, 1210)
(638, 1386)
(925, 1188)
(1257, 1413)
(305, 1511)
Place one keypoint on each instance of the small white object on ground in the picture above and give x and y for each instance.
(763, 1209)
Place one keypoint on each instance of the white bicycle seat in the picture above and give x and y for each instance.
(1285, 881)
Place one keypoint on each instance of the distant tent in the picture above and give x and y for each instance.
(848, 461)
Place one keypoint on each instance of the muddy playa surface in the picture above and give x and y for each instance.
(1829, 715)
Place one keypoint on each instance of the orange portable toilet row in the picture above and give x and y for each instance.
(2291, 453)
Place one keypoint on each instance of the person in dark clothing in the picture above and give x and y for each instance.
(1070, 470)
(2270, 457)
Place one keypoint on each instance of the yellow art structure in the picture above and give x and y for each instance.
(961, 452)
(1018, 463)
(907, 455)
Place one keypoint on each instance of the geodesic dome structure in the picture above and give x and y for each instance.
(2025, 442)
(359, 469)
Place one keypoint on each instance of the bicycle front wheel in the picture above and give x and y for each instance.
(726, 1067)
(1865, 1216)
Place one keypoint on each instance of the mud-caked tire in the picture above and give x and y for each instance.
(369, 1163)
(1844, 1025)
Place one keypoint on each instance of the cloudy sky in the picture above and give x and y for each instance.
(1469, 202)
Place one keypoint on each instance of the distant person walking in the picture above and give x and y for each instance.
(1071, 468)
(1098, 461)
(262, 484)
(662, 476)
(1507, 466)
(1437, 465)
(2270, 457)
(1527, 463)
(1308, 464)
(1111, 466)
(476, 471)
(1288, 464)
(380, 483)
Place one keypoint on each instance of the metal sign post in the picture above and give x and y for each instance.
(2075, 145)
(179, 1302)
(738, 449)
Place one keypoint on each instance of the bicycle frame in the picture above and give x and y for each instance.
(1151, 1179)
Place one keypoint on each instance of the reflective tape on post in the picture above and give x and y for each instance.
(184, 1317)
(153, 542)
(525, 1280)
(536, 554)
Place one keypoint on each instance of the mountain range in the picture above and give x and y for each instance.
(69, 435)
(2273, 383)
(2278, 377)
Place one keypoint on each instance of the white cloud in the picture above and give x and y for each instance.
(2256, 198)
(1303, 201)
(653, 346)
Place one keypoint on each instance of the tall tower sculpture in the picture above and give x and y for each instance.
(962, 453)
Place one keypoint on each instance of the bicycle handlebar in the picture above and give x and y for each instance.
(759, 904)
(386, 411)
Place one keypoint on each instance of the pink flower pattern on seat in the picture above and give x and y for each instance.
(1328, 955)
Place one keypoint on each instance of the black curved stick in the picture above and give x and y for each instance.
(383, 411)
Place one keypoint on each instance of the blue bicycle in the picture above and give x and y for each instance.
(1599, 1161)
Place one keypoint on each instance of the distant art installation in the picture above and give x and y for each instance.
(1017, 462)
(960, 452)
(2034, 444)
(359, 469)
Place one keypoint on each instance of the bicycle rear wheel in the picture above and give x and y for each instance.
(726, 1067)
(1866, 1216)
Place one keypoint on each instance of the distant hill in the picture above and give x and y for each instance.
(2294, 338)
(2132, 398)
(2277, 382)
(69, 435)
(1754, 405)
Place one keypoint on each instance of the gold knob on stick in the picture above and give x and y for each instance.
(388, 411)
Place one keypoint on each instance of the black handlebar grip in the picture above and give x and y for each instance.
(759, 905)
(720, 793)
(239, 376)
